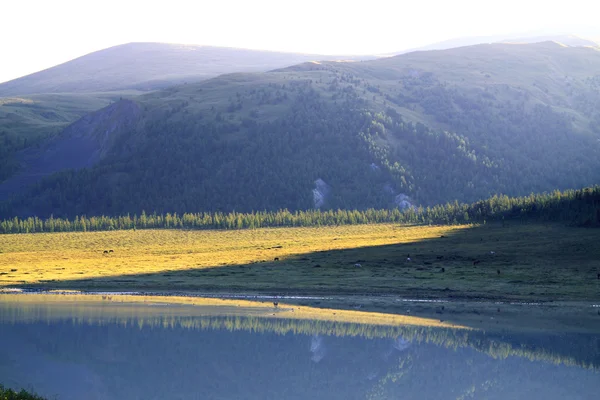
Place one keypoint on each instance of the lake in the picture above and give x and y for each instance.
(112, 347)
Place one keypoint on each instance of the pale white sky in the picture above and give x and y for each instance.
(37, 34)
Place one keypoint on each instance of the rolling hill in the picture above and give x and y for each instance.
(420, 128)
(147, 66)
(42, 104)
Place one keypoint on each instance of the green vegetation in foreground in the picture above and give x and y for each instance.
(578, 207)
(527, 262)
(9, 394)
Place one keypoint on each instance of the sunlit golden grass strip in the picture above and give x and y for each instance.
(77, 255)
(516, 262)
(33, 306)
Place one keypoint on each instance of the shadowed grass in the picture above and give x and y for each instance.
(518, 262)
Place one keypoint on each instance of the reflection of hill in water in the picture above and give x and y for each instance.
(130, 361)
(580, 350)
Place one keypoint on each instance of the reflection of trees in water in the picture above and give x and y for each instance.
(317, 348)
(401, 344)
(558, 352)
(268, 365)
(398, 344)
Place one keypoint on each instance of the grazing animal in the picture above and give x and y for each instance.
(275, 304)
(443, 269)
(498, 271)
(105, 251)
(276, 259)
(110, 251)
(407, 258)
(439, 257)
(357, 265)
(476, 262)
(598, 276)
(443, 237)
(492, 252)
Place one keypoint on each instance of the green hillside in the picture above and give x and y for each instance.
(28, 120)
(40, 105)
(438, 126)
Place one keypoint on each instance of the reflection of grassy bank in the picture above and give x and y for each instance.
(138, 312)
(517, 262)
(184, 311)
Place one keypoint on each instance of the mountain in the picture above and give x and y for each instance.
(420, 128)
(147, 66)
(40, 105)
(567, 40)
(27, 121)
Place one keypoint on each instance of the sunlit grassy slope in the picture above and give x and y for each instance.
(528, 261)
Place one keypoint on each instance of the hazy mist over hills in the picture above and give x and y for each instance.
(147, 66)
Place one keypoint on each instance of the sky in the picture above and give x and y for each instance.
(38, 34)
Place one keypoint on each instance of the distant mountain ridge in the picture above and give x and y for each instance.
(567, 40)
(148, 66)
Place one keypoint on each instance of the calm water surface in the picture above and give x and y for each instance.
(138, 352)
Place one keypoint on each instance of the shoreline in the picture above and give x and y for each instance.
(557, 316)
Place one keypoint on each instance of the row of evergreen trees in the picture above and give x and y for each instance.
(579, 207)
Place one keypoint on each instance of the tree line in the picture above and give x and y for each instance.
(578, 207)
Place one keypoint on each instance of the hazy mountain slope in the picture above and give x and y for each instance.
(568, 40)
(27, 120)
(436, 126)
(86, 84)
(81, 145)
(147, 66)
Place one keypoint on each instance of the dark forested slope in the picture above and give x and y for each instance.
(435, 126)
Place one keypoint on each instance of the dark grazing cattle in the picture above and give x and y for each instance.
(105, 251)
(275, 304)
(476, 262)
(276, 259)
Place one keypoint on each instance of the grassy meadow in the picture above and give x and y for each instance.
(494, 262)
